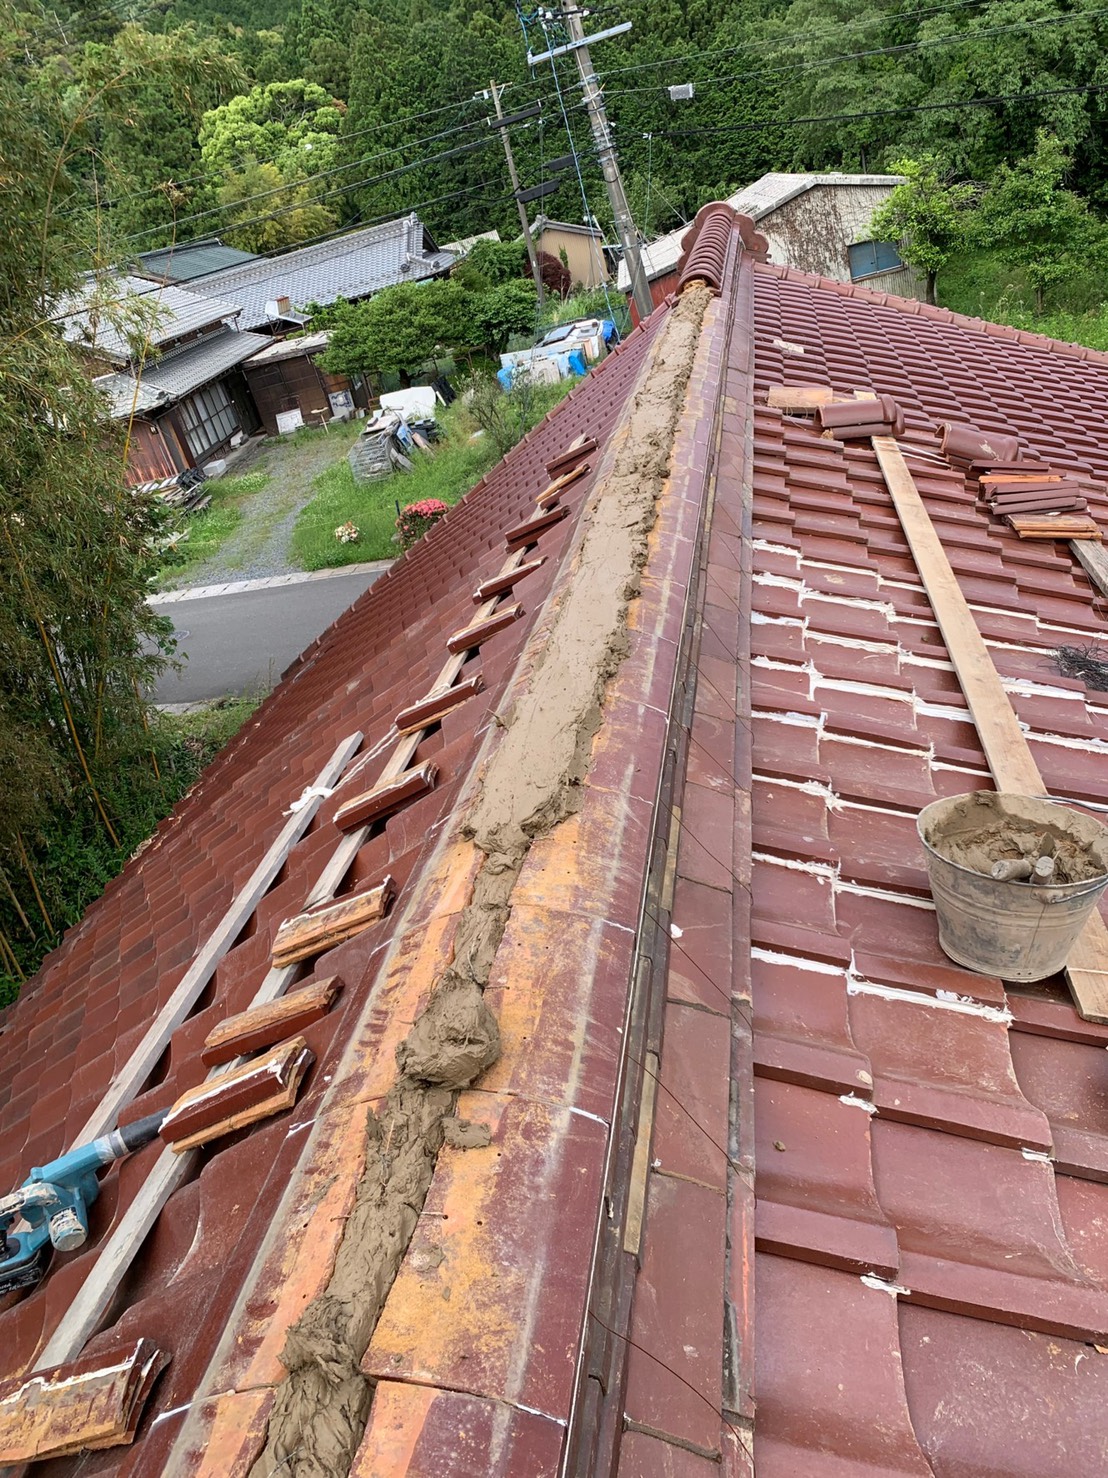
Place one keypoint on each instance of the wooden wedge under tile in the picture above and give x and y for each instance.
(264, 1026)
(318, 929)
(91, 1403)
(259, 1089)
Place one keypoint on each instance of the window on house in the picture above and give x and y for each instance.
(209, 417)
(868, 257)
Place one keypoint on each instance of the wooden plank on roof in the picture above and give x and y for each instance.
(1007, 751)
(91, 1404)
(1094, 561)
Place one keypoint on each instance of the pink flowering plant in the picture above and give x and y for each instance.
(417, 518)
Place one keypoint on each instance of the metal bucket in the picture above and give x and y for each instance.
(1016, 930)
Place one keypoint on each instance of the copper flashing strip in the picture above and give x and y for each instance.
(259, 1089)
(90, 1404)
(534, 528)
(435, 706)
(507, 580)
(386, 797)
(1006, 749)
(478, 632)
(265, 1026)
(320, 929)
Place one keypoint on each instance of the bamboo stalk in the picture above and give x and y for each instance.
(34, 882)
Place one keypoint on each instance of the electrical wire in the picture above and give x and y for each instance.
(218, 210)
(953, 38)
(988, 102)
(776, 43)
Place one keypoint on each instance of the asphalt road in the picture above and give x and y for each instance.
(242, 642)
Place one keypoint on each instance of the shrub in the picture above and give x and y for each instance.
(417, 518)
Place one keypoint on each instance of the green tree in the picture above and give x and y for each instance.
(137, 102)
(928, 216)
(278, 219)
(1030, 218)
(292, 125)
(74, 542)
(503, 311)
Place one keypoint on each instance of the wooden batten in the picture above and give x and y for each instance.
(475, 635)
(264, 1026)
(550, 495)
(259, 1089)
(386, 798)
(1006, 749)
(321, 928)
(506, 580)
(91, 1403)
(435, 706)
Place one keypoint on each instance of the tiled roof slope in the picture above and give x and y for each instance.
(905, 1250)
(349, 266)
(81, 1017)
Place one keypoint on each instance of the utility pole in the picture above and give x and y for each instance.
(601, 131)
(532, 255)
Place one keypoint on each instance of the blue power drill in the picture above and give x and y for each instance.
(52, 1204)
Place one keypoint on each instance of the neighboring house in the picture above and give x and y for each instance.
(463, 247)
(193, 259)
(652, 1132)
(287, 383)
(273, 292)
(583, 247)
(816, 222)
(175, 377)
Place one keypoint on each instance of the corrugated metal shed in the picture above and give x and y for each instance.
(177, 313)
(351, 266)
(178, 373)
(191, 260)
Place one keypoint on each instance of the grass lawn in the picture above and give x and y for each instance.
(209, 531)
(456, 465)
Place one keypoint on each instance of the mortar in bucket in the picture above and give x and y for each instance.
(1019, 928)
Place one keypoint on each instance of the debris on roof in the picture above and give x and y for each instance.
(93, 1403)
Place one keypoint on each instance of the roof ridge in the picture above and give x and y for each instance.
(940, 315)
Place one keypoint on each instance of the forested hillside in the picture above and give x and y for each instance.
(777, 86)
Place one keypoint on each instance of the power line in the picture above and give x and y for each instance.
(988, 102)
(218, 210)
(953, 38)
(777, 43)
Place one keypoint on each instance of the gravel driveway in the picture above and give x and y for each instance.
(259, 547)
